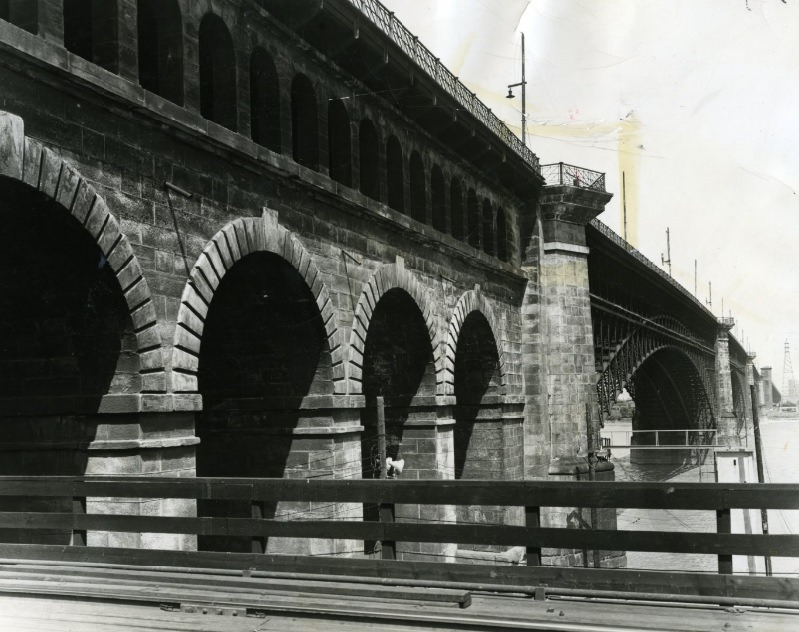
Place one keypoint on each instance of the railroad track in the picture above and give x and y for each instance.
(92, 598)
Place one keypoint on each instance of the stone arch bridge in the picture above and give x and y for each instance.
(220, 247)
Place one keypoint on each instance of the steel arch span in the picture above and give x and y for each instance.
(626, 352)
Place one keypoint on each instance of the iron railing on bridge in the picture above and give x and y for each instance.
(531, 495)
(422, 57)
(560, 173)
(622, 243)
(668, 439)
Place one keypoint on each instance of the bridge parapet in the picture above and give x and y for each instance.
(636, 254)
(561, 174)
(424, 59)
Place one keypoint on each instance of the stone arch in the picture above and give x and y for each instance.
(470, 301)
(234, 241)
(386, 278)
(30, 162)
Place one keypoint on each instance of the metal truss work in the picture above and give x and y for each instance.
(623, 341)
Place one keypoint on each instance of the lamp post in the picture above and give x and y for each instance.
(510, 95)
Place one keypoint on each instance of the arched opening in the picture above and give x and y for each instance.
(217, 73)
(90, 31)
(21, 13)
(160, 46)
(264, 100)
(369, 158)
(66, 340)
(437, 199)
(264, 348)
(482, 449)
(397, 365)
(502, 235)
(304, 123)
(394, 175)
(418, 189)
(473, 219)
(489, 245)
(456, 209)
(669, 398)
(477, 383)
(339, 142)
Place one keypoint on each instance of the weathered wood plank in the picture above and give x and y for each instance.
(531, 537)
(708, 496)
(474, 577)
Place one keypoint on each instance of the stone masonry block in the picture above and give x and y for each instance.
(185, 361)
(154, 382)
(120, 255)
(144, 315)
(32, 163)
(202, 286)
(128, 275)
(192, 322)
(225, 256)
(204, 264)
(192, 300)
(138, 293)
(50, 173)
(184, 383)
(109, 236)
(212, 255)
(97, 218)
(149, 338)
(187, 340)
(152, 359)
(12, 145)
(84, 200)
(233, 234)
(67, 186)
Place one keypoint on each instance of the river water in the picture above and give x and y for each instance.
(781, 465)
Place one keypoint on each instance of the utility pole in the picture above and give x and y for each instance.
(624, 202)
(510, 95)
(666, 260)
(759, 463)
(709, 299)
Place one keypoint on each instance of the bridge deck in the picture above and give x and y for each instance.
(94, 599)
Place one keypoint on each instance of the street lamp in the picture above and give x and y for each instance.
(510, 95)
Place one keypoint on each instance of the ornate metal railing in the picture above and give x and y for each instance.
(422, 57)
(619, 241)
(563, 174)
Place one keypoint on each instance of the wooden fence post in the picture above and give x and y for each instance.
(532, 518)
(724, 525)
(257, 513)
(389, 547)
(78, 509)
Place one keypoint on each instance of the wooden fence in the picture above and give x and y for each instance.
(532, 495)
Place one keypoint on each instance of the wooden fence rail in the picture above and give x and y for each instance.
(531, 495)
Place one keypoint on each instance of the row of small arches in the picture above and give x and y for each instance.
(379, 169)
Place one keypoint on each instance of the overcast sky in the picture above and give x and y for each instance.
(696, 101)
